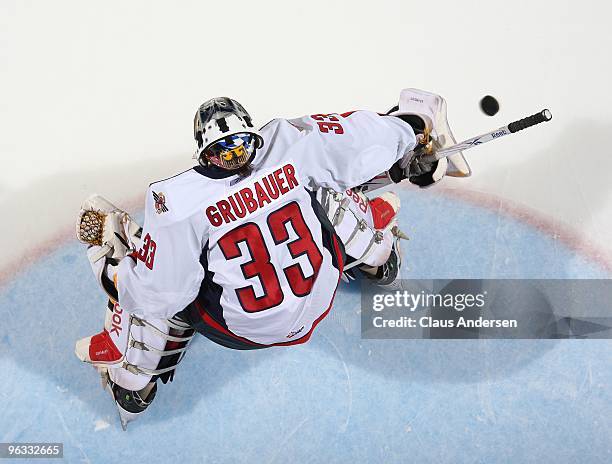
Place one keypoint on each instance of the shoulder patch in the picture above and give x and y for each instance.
(171, 177)
(160, 202)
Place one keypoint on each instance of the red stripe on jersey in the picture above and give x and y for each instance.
(215, 325)
(347, 114)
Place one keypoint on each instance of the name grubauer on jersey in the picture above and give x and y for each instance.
(256, 254)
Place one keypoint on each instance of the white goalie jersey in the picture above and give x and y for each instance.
(255, 256)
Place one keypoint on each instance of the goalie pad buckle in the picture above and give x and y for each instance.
(366, 227)
(131, 349)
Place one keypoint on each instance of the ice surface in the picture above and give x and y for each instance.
(337, 398)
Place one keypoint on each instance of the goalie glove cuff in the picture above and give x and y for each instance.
(104, 270)
(423, 178)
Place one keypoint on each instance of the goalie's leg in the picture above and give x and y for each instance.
(369, 231)
(132, 354)
(382, 208)
(386, 273)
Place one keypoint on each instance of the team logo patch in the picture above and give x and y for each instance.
(160, 202)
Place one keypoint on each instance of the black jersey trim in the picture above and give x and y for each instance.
(215, 172)
(210, 292)
(201, 321)
(168, 178)
(328, 233)
(268, 123)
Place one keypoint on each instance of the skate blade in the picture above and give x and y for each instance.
(399, 234)
(125, 417)
(124, 422)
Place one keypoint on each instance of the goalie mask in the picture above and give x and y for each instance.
(224, 134)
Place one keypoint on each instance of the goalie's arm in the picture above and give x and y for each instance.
(412, 166)
(341, 151)
(164, 274)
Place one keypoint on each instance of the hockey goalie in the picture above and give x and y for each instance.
(249, 246)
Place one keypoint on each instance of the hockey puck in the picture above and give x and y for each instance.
(489, 105)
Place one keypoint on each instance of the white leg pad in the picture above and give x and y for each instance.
(351, 215)
(140, 358)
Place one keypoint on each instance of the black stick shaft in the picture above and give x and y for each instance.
(542, 116)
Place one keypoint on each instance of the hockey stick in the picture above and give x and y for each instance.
(542, 116)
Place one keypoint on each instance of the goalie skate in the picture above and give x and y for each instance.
(386, 274)
(130, 404)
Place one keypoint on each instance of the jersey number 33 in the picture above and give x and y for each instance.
(261, 266)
